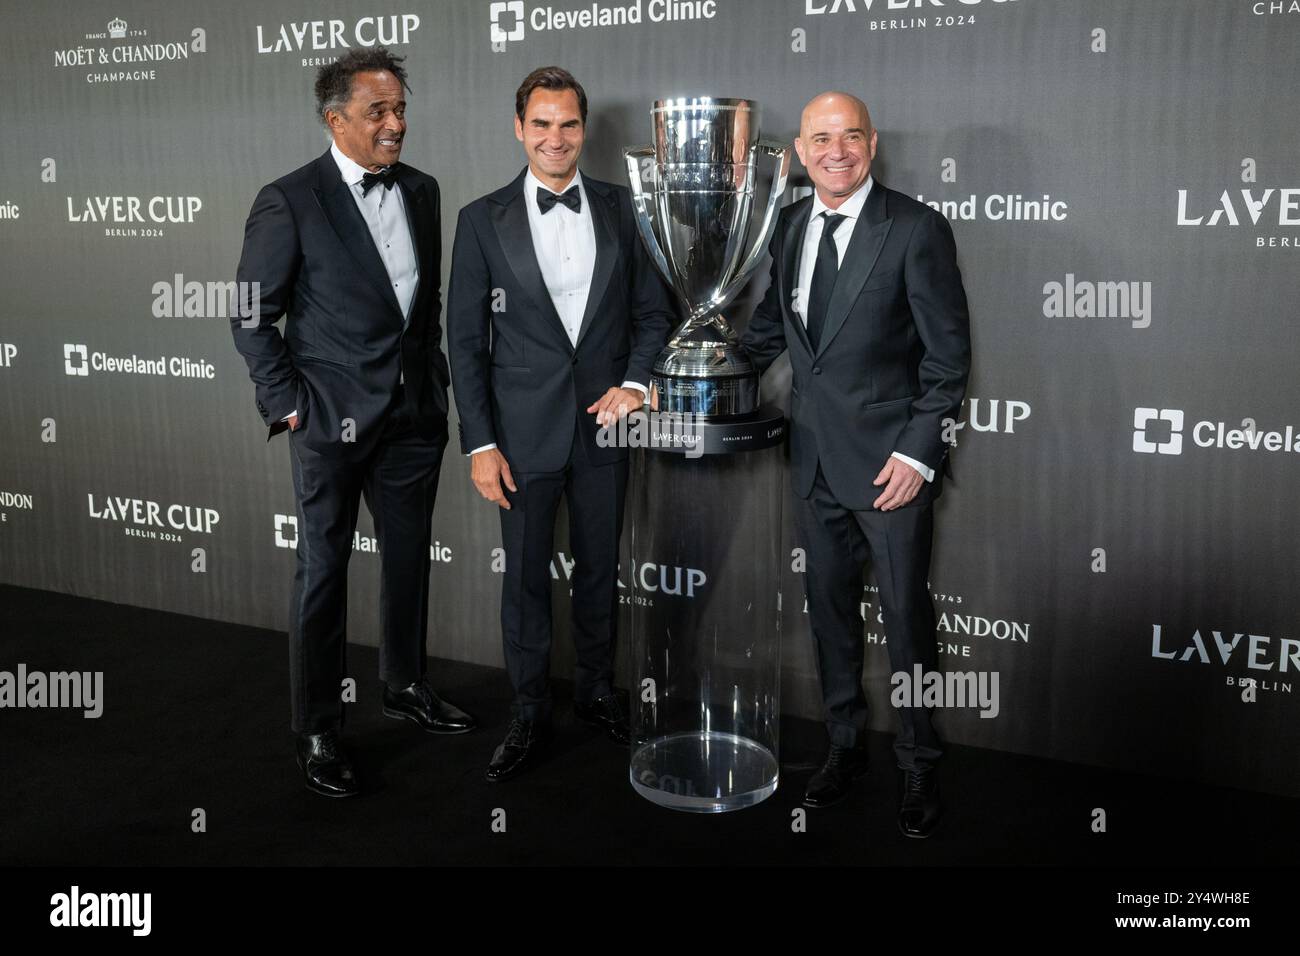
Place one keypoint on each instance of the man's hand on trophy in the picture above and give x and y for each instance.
(615, 404)
(904, 482)
(488, 469)
(654, 397)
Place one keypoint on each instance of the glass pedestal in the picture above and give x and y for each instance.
(705, 537)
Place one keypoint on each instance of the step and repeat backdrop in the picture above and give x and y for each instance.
(1119, 545)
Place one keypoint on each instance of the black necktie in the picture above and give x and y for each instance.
(387, 176)
(823, 278)
(546, 199)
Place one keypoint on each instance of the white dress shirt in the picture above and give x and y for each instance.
(851, 209)
(564, 242)
(384, 211)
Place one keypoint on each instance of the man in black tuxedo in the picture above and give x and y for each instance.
(866, 295)
(554, 318)
(348, 249)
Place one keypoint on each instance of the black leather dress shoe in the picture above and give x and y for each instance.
(326, 768)
(524, 740)
(831, 783)
(607, 714)
(419, 703)
(919, 811)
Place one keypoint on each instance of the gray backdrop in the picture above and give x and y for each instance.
(1121, 566)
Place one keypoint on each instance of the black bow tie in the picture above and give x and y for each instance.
(387, 176)
(546, 199)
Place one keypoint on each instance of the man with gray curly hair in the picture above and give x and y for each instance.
(347, 249)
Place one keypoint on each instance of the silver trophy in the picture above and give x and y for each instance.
(696, 215)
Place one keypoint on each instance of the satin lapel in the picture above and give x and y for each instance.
(859, 259)
(417, 217)
(348, 224)
(602, 221)
(791, 243)
(510, 220)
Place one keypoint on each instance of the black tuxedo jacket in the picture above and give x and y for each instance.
(894, 354)
(517, 378)
(344, 347)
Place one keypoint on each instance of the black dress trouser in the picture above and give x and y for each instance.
(399, 480)
(838, 541)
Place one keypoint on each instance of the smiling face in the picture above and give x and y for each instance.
(836, 144)
(552, 134)
(370, 129)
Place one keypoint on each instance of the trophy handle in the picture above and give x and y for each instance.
(779, 156)
(643, 209)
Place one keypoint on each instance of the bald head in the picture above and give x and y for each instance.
(836, 144)
(835, 104)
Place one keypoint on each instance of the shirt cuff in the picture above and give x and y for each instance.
(926, 473)
(483, 448)
(290, 415)
(639, 387)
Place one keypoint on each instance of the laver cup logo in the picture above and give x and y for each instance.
(141, 518)
(876, 15)
(814, 8)
(393, 29)
(1245, 210)
(134, 217)
(1228, 649)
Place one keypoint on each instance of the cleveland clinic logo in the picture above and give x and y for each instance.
(286, 536)
(75, 361)
(286, 531)
(507, 18)
(79, 361)
(1159, 431)
(507, 21)
(1168, 438)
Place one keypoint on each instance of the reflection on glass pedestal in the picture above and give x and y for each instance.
(705, 621)
(704, 772)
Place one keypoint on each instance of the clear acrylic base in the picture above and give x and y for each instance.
(703, 772)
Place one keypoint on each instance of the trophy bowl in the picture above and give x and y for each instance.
(694, 194)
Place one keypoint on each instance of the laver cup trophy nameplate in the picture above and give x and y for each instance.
(704, 508)
(703, 230)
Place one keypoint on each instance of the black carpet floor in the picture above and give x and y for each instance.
(196, 717)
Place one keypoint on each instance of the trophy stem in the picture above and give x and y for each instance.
(705, 372)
